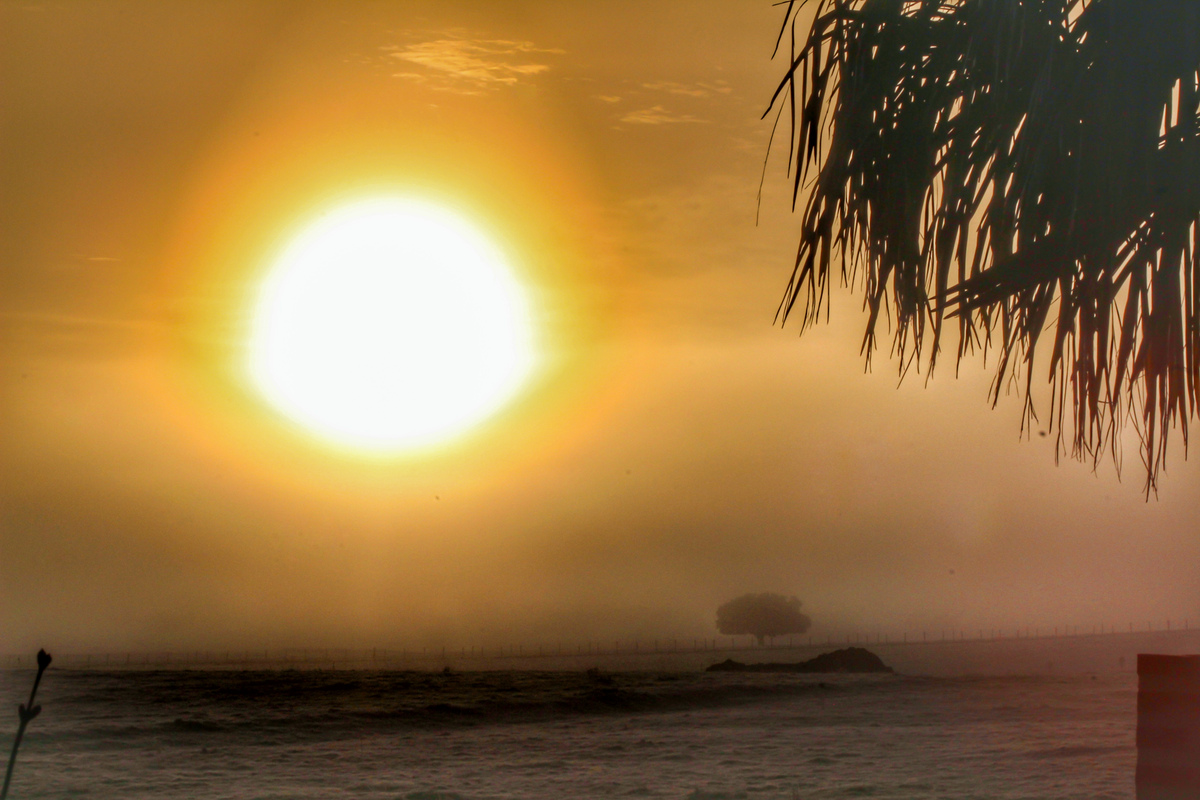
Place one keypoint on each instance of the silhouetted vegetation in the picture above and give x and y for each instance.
(26, 713)
(1013, 167)
(763, 616)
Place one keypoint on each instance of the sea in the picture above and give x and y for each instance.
(405, 735)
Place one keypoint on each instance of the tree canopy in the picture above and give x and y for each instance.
(1018, 167)
(763, 616)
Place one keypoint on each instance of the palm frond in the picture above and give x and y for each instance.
(1014, 167)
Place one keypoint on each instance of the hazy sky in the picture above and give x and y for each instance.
(675, 450)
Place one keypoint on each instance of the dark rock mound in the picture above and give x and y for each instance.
(850, 659)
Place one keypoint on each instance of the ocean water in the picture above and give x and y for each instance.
(566, 735)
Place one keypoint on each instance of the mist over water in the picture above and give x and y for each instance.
(673, 450)
(411, 735)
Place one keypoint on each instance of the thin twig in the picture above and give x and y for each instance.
(26, 714)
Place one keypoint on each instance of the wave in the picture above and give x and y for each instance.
(292, 704)
(1074, 751)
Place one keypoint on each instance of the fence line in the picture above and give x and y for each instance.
(427, 657)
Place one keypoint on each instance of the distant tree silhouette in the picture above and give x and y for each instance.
(763, 616)
(1019, 168)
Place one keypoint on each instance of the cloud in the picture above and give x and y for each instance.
(689, 90)
(472, 65)
(63, 322)
(657, 115)
(608, 98)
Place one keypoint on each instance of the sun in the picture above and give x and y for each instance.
(390, 324)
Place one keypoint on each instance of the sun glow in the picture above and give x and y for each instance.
(388, 325)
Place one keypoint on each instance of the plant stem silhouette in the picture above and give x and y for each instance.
(26, 714)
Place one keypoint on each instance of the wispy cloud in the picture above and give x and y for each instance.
(657, 115)
(685, 93)
(689, 89)
(63, 321)
(470, 65)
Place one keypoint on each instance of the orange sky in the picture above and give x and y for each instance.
(678, 449)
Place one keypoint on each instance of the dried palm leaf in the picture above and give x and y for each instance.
(1015, 166)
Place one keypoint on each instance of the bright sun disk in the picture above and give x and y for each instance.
(390, 324)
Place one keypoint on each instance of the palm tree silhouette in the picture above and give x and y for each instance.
(1012, 167)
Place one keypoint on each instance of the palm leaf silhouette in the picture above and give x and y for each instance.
(1013, 166)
